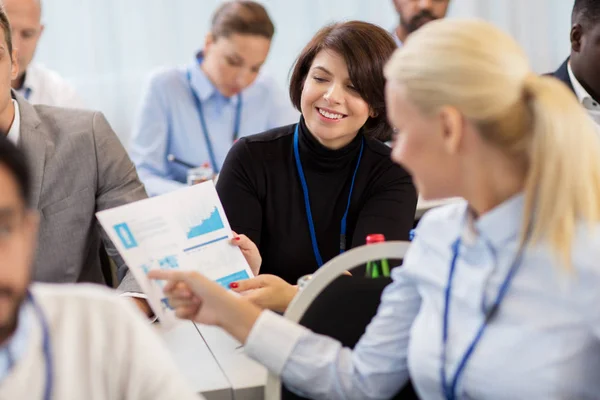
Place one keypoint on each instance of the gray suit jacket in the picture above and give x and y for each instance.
(78, 167)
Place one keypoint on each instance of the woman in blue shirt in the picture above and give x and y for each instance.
(497, 297)
(196, 113)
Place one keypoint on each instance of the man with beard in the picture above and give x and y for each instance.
(416, 13)
(67, 341)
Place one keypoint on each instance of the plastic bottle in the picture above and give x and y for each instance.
(201, 174)
(377, 268)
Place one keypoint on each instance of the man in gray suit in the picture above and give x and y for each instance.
(78, 167)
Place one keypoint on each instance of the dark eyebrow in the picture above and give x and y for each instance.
(236, 57)
(323, 69)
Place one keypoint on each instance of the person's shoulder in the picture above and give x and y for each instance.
(73, 309)
(583, 272)
(264, 86)
(166, 76)
(586, 248)
(378, 147)
(49, 87)
(59, 120)
(378, 156)
(261, 148)
(79, 130)
(82, 291)
(272, 135)
(40, 73)
(561, 73)
(443, 221)
(77, 299)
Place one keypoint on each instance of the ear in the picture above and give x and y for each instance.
(576, 34)
(208, 42)
(373, 113)
(14, 65)
(452, 126)
(41, 30)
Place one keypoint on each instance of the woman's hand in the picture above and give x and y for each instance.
(197, 298)
(249, 250)
(266, 291)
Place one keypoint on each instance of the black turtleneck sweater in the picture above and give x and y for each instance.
(261, 193)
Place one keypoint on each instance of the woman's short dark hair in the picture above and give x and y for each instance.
(5, 26)
(243, 17)
(365, 48)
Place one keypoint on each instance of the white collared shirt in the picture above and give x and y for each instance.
(138, 366)
(590, 104)
(44, 86)
(14, 133)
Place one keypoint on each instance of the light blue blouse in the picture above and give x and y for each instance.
(543, 343)
(169, 123)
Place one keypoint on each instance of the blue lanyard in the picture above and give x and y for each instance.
(449, 389)
(46, 347)
(311, 225)
(236, 126)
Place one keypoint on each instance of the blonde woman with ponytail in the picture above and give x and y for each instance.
(499, 297)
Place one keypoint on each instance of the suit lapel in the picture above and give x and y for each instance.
(562, 73)
(34, 144)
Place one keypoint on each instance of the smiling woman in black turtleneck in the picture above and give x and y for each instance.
(334, 158)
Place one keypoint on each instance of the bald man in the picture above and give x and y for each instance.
(36, 83)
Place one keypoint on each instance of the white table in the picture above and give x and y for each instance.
(214, 363)
(196, 362)
(246, 377)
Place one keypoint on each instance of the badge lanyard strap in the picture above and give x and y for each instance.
(236, 126)
(311, 225)
(46, 347)
(449, 389)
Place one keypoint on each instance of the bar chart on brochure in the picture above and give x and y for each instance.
(185, 229)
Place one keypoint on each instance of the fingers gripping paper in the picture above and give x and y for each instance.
(185, 229)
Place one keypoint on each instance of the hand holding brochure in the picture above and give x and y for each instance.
(185, 229)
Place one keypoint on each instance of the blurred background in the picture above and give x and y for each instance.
(107, 48)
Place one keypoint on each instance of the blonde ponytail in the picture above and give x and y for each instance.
(563, 181)
(482, 72)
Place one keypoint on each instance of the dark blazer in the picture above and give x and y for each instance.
(562, 73)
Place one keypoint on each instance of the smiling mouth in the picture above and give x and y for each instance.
(330, 115)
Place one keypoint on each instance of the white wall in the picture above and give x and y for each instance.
(106, 48)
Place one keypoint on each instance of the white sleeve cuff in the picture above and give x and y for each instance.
(272, 340)
(134, 294)
(137, 295)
